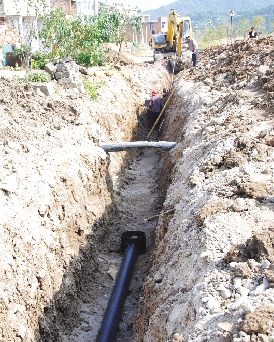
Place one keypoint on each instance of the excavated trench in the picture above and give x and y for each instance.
(206, 206)
(137, 193)
(65, 203)
(137, 197)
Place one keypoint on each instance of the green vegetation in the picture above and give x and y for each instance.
(39, 60)
(84, 38)
(225, 32)
(92, 87)
(38, 77)
(22, 53)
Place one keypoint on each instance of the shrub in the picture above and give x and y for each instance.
(83, 59)
(98, 57)
(38, 77)
(39, 60)
(92, 87)
(23, 52)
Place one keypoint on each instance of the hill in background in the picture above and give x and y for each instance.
(218, 11)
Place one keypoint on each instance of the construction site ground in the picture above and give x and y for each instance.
(206, 206)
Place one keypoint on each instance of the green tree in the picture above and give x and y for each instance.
(243, 27)
(56, 32)
(259, 24)
(83, 37)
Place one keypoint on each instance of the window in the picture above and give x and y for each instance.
(89, 4)
(163, 24)
(79, 8)
(151, 26)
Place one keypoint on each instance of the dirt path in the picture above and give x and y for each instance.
(136, 199)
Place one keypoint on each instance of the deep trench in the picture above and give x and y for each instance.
(75, 315)
(138, 195)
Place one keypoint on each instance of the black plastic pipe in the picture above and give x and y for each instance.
(132, 244)
(135, 145)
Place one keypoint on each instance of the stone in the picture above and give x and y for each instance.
(85, 327)
(211, 303)
(225, 293)
(225, 326)
(62, 74)
(83, 70)
(237, 282)
(250, 286)
(261, 288)
(50, 68)
(241, 269)
(112, 272)
(243, 291)
(239, 205)
(45, 88)
(243, 303)
(197, 178)
(177, 338)
(269, 275)
(263, 338)
(260, 321)
(265, 264)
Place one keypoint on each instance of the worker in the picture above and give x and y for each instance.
(155, 107)
(193, 47)
(165, 93)
(252, 33)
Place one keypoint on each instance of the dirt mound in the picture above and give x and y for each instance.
(56, 187)
(215, 255)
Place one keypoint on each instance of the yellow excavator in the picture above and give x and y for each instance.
(165, 45)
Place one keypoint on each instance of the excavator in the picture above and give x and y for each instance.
(165, 45)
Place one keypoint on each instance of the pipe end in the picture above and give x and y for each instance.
(136, 238)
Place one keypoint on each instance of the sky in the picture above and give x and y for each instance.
(144, 5)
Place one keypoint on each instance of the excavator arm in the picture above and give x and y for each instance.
(177, 29)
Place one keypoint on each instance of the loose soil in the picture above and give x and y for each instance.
(136, 200)
(208, 272)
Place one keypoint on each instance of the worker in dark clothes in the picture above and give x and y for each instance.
(252, 33)
(165, 94)
(155, 107)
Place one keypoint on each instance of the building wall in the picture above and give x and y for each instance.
(23, 8)
(159, 26)
(69, 7)
(87, 7)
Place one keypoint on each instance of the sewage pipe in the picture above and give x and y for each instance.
(132, 244)
(115, 147)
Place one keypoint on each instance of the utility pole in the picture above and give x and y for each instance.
(231, 17)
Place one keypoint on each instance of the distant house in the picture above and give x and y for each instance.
(87, 7)
(151, 27)
(79, 7)
(21, 15)
(68, 6)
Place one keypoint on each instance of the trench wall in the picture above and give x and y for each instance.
(194, 291)
(56, 193)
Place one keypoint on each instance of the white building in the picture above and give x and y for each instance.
(130, 10)
(23, 16)
(87, 7)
